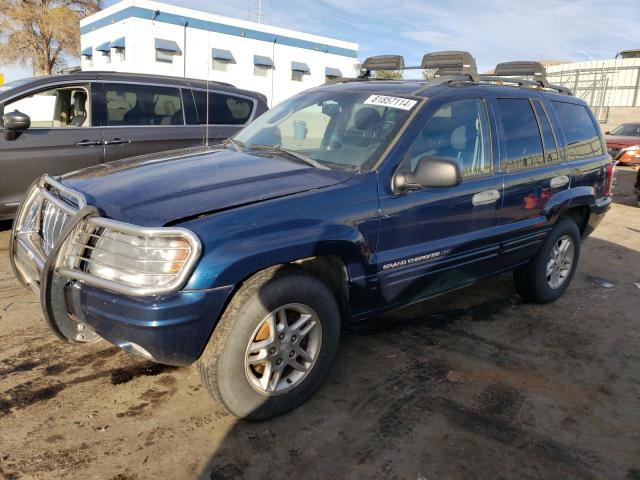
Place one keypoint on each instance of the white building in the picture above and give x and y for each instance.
(143, 36)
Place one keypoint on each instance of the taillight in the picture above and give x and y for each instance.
(608, 181)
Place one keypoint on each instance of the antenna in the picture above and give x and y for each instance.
(259, 13)
(206, 127)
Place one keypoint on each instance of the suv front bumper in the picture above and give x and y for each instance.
(171, 328)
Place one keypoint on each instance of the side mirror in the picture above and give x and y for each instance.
(430, 172)
(607, 132)
(15, 122)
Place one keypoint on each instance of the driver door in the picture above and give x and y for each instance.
(61, 139)
(435, 239)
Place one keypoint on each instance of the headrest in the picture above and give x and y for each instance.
(79, 100)
(459, 138)
(367, 118)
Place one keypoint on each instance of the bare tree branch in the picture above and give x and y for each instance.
(41, 33)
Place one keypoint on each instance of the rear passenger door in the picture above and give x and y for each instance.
(138, 119)
(227, 114)
(536, 179)
(434, 239)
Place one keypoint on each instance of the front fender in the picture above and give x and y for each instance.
(340, 221)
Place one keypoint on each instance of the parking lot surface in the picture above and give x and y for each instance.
(473, 384)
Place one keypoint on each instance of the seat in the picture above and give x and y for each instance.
(142, 113)
(79, 109)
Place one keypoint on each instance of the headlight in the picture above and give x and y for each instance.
(133, 260)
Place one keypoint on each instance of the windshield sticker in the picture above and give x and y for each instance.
(392, 102)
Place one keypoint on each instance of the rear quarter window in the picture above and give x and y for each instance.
(224, 109)
(580, 131)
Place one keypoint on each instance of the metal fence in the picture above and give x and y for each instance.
(603, 84)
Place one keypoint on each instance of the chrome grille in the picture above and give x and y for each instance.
(53, 222)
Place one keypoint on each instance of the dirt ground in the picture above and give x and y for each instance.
(474, 384)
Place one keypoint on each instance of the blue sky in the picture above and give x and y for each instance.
(493, 31)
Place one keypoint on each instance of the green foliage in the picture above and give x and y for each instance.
(40, 33)
(388, 74)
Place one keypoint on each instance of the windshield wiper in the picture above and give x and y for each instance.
(235, 144)
(292, 153)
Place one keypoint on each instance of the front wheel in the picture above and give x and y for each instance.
(545, 278)
(274, 344)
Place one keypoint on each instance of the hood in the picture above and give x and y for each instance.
(621, 141)
(154, 190)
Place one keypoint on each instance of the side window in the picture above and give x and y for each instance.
(223, 109)
(55, 108)
(459, 130)
(548, 138)
(143, 105)
(583, 138)
(521, 133)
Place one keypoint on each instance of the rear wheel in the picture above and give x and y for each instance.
(545, 278)
(274, 344)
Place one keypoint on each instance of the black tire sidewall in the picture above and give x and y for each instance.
(234, 388)
(544, 292)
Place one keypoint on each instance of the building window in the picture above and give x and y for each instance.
(164, 56)
(120, 56)
(221, 59)
(166, 50)
(299, 70)
(261, 70)
(332, 73)
(220, 65)
(106, 56)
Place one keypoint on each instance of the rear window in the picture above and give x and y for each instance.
(520, 133)
(581, 133)
(223, 109)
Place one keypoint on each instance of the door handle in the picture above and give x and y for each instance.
(486, 197)
(559, 181)
(117, 141)
(88, 143)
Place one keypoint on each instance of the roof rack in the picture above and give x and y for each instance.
(445, 63)
(451, 63)
(460, 66)
(523, 69)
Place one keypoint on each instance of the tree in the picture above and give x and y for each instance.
(388, 74)
(429, 74)
(41, 33)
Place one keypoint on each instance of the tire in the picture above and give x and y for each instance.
(224, 367)
(531, 280)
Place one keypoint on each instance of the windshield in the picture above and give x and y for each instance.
(348, 130)
(628, 129)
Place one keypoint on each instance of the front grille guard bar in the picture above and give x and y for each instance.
(38, 192)
(43, 261)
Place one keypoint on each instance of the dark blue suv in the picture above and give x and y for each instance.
(352, 198)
